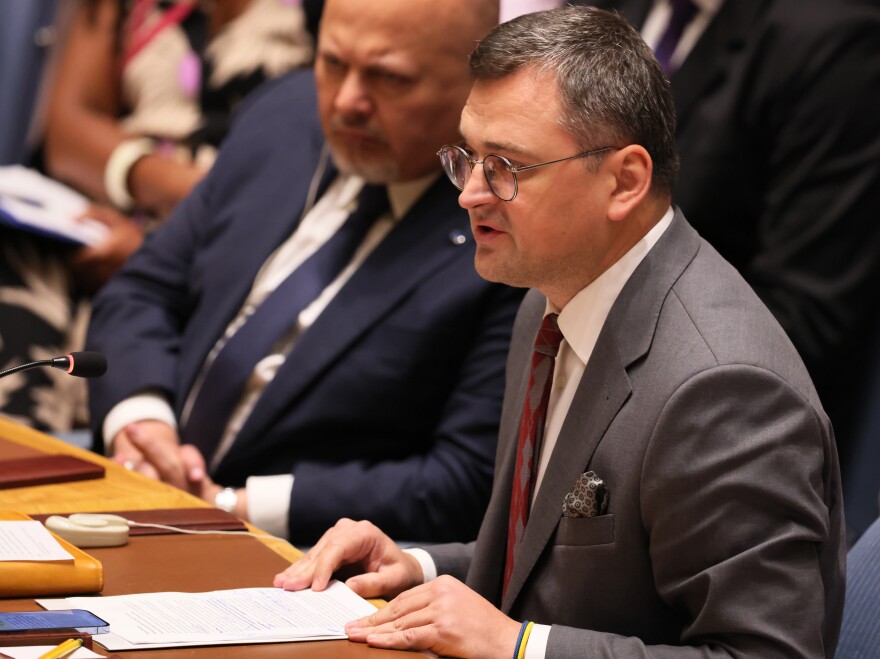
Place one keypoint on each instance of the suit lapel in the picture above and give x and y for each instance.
(415, 248)
(277, 215)
(707, 65)
(603, 390)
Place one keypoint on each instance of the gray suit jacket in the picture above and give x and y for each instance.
(725, 528)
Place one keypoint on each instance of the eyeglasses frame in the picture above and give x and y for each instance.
(473, 162)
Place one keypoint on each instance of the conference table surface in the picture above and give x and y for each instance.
(122, 489)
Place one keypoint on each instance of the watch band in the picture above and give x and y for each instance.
(226, 500)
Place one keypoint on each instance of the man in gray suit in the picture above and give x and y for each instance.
(684, 499)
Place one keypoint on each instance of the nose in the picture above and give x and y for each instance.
(352, 97)
(476, 191)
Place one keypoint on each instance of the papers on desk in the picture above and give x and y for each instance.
(35, 203)
(29, 541)
(222, 617)
(37, 651)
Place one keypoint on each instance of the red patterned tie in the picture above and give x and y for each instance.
(531, 432)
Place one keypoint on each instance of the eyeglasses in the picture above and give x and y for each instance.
(500, 173)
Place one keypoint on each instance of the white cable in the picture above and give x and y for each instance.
(102, 530)
(198, 532)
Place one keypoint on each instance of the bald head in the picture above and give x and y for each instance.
(392, 79)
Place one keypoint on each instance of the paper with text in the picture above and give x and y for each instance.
(29, 540)
(245, 615)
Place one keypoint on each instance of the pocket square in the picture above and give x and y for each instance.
(589, 497)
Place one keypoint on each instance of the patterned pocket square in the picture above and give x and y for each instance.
(589, 497)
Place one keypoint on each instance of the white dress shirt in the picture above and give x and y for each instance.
(580, 323)
(268, 497)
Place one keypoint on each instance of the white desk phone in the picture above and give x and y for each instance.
(90, 530)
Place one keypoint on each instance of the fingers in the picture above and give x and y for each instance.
(103, 214)
(406, 623)
(95, 264)
(316, 568)
(370, 584)
(443, 616)
(346, 543)
(388, 580)
(158, 444)
(125, 454)
(395, 615)
(193, 463)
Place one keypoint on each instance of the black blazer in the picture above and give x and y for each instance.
(779, 138)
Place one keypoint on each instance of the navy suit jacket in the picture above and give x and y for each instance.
(780, 170)
(387, 408)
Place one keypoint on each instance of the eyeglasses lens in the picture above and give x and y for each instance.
(499, 177)
(456, 166)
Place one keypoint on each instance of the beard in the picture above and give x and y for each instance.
(372, 160)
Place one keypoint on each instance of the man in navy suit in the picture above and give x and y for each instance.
(381, 401)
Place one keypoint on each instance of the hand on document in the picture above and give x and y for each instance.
(244, 615)
(388, 570)
(443, 615)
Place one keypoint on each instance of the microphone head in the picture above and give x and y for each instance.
(87, 364)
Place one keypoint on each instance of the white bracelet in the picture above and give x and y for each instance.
(226, 500)
(118, 167)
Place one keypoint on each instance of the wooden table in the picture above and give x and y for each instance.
(126, 490)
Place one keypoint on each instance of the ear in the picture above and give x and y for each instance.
(632, 168)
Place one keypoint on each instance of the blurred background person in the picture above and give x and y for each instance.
(350, 361)
(139, 100)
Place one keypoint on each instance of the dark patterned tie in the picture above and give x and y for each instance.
(531, 434)
(683, 12)
(226, 377)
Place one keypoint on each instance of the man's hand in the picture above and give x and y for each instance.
(443, 616)
(153, 449)
(93, 266)
(387, 569)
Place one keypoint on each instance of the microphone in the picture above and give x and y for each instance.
(80, 364)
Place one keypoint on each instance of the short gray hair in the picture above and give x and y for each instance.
(611, 88)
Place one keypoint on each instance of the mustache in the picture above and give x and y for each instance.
(361, 124)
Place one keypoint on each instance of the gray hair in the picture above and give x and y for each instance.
(612, 90)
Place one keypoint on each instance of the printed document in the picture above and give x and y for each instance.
(35, 203)
(245, 615)
(28, 540)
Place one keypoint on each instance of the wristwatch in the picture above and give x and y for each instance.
(226, 500)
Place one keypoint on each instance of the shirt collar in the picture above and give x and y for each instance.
(583, 317)
(402, 195)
